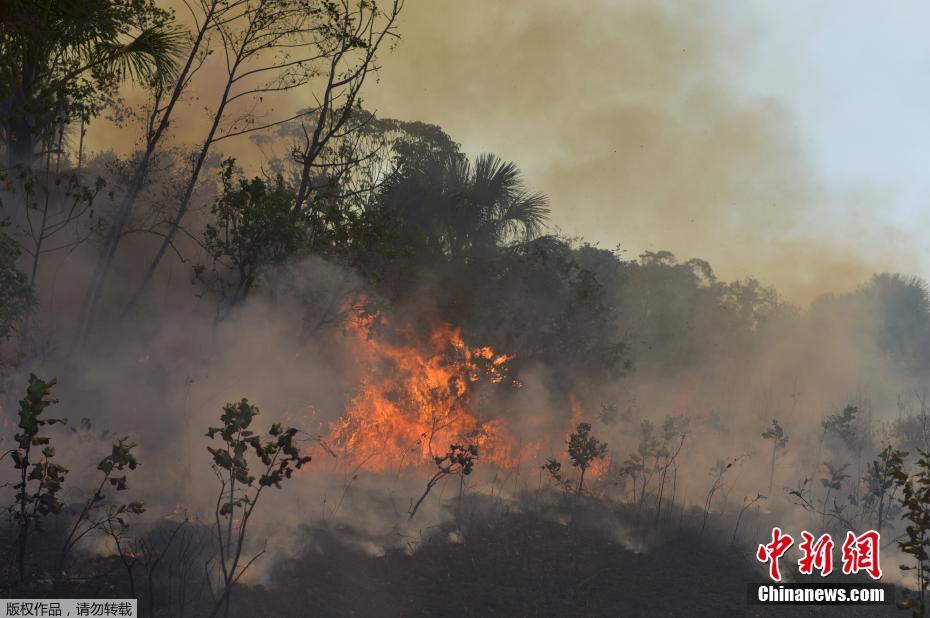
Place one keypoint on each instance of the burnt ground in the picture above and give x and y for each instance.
(562, 559)
(539, 563)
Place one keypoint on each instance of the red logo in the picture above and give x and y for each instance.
(859, 553)
(773, 551)
(816, 554)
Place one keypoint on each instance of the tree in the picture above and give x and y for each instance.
(278, 456)
(41, 479)
(779, 439)
(915, 500)
(833, 481)
(457, 209)
(54, 203)
(255, 229)
(673, 427)
(553, 470)
(16, 296)
(151, 551)
(540, 300)
(681, 312)
(458, 460)
(853, 432)
(895, 310)
(880, 485)
(637, 465)
(748, 502)
(718, 472)
(844, 426)
(583, 450)
(903, 308)
(165, 98)
(275, 46)
(64, 58)
(90, 518)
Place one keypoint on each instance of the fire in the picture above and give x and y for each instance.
(577, 413)
(418, 396)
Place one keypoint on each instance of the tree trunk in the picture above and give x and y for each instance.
(772, 470)
(108, 251)
(21, 143)
(105, 260)
(21, 554)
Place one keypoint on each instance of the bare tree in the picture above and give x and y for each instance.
(165, 98)
(276, 46)
(458, 460)
(54, 202)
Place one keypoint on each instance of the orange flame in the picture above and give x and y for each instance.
(417, 398)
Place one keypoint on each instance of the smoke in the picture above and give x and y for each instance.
(628, 115)
(631, 118)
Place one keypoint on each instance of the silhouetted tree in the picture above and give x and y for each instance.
(456, 209)
(779, 439)
(16, 296)
(63, 59)
(254, 229)
(583, 450)
(40, 479)
(276, 456)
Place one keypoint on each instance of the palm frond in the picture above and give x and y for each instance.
(150, 57)
(526, 215)
(494, 179)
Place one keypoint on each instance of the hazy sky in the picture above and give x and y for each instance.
(783, 139)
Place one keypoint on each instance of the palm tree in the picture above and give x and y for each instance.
(64, 58)
(461, 209)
